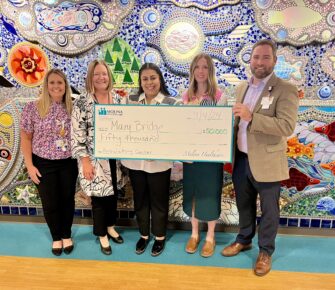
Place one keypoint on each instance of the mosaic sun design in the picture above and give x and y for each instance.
(180, 38)
(67, 27)
(28, 64)
(202, 4)
(297, 22)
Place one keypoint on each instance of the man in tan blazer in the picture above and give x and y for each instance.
(265, 115)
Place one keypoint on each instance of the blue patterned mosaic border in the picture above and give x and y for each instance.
(130, 214)
(38, 212)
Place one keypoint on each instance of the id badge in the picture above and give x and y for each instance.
(266, 102)
(62, 145)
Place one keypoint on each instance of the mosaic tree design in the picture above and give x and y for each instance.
(123, 62)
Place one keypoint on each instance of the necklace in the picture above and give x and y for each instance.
(97, 101)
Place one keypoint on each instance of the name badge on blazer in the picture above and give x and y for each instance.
(266, 102)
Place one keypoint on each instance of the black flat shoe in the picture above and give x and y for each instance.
(141, 245)
(68, 249)
(57, 251)
(157, 247)
(105, 250)
(117, 240)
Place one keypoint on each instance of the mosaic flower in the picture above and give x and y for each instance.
(28, 64)
(24, 194)
(301, 94)
(121, 92)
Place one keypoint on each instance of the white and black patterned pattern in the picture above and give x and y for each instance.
(82, 144)
(207, 102)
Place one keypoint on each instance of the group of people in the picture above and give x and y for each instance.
(55, 133)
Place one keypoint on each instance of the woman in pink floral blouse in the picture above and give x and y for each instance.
(45, 143)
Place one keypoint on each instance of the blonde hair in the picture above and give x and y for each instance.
(45, 100)
(212, 85)
(90, 73)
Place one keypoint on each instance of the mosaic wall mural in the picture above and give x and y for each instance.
(36, 35)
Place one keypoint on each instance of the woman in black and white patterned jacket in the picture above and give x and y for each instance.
(97, 177)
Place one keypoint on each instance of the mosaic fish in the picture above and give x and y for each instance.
(285, 70)
(326, 204)
(299, 180)
(296, 149)
(329, 166)
(295, 17)
(328, 130)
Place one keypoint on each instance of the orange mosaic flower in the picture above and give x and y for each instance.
(121, 92)
(301, 94)
(28, 64)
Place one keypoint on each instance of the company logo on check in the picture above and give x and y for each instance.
(103, 111)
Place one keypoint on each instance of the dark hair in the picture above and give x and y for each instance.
(149, 65)
(266, 42)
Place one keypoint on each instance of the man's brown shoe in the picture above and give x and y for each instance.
(208, 249)
(234, 249)
(263, 264)
(192, 245)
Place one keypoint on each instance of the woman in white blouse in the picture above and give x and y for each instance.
(150, 179)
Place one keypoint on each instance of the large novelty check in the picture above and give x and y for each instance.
(188, 133)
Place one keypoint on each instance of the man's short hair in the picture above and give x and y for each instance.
(266, 42)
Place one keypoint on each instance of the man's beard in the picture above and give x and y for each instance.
(261, 74)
